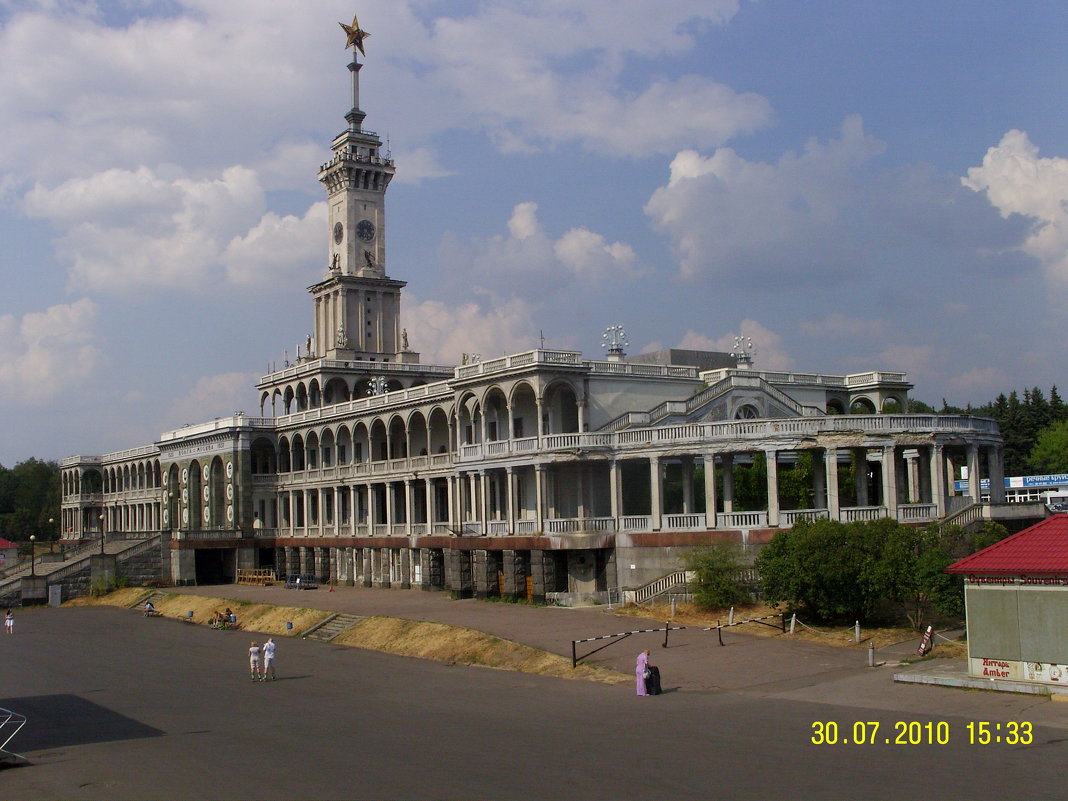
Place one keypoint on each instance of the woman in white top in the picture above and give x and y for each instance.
(254, 660)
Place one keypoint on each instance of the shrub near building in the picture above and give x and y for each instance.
(852, 571)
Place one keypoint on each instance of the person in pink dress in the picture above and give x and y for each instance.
(639, 671)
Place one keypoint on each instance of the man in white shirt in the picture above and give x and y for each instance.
(268, 659)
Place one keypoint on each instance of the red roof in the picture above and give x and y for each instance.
(5, 544)
(1042, 548)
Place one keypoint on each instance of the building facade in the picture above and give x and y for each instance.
(534, 474)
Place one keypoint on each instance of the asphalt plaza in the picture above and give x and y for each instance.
(161, 709)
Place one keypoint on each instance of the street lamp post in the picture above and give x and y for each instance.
(102, 518)
(51, 536)
(33, 541)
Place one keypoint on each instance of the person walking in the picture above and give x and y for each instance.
(254, 660)
(641, 672)
(9, 622)
(268, 659)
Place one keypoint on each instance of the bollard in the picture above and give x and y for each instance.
(673, 606)
(871, 654)
(793, 620)
(856, 629)
(730, 617)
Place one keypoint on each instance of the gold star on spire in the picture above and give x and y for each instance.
(354, 35)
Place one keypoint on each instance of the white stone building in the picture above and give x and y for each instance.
(537, 473)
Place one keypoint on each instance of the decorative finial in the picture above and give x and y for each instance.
(354, 35)
(614, 339)
(743, 352)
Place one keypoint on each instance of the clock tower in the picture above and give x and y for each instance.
(357, 306)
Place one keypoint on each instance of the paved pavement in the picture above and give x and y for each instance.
(127, 707)
(693, 661)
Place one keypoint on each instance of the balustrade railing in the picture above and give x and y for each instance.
(498, 528)
(787, 517)
(683, 522)
(635, 523)
(742, 519)
(913, 512)
(854, 514)
(526, 526)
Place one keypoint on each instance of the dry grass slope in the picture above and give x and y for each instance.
(421, 640)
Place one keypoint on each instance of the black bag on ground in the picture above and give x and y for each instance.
(652, 684)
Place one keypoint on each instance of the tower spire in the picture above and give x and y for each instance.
(354, 36)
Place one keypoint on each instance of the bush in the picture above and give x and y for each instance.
(716, 584)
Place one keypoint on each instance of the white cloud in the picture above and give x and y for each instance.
(442, 334)
(276, 246)
(837, 326)
(825, 216)
(44, 354)
(528, 263)
(213, 396)
(420, 164)
(1018, 181)
(122, 231)
(768, 350)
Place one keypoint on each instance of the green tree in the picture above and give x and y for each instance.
(716, 583)
(1050, 454)
(29, 496)
(824, 567)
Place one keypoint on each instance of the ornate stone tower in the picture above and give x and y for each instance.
(357, 306)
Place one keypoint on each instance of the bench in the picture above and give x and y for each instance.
(302, 581)
(260, 576)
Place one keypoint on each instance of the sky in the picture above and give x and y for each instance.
(855, 186)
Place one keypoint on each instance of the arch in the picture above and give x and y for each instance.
(264, 397)
(171, 498)
(418, 434)
(892, 405)
(326, 447)
(289, 400)
(393, 385)
(285, 455)
(301, 398)
(561, 409)
(377, 447)
(495, 408)
(195, 506)
(335, 391)
(835, 406)
(361, 443)
(263, 457)
(398, 438)
(524, 403)
(862, 405)
(747, 411)
(216, 494)
(440, 436)
(343, 445)
(297, 460)
(311, 448)
(315, 395)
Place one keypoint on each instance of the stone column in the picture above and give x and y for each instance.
(912, 476)
(687, 484)
(996, 469)
(431, 506)
(483, 497)
(656, 493)
(860, 456)
(539, 492)
(830, 461)
(975, 489)
(406, 568)
(512, 497)
(728, 482)
(581, 404)
(409, 507)
(771, 459)
(890, 481)
(710, 490)
(615, 491)
(367, 567)
(938, 479)
(819, 482)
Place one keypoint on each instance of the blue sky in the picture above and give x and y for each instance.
(853, 185)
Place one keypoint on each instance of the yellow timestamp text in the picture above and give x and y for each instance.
(915, 732)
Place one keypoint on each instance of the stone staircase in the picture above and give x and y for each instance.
(154, 598)
(331, 627)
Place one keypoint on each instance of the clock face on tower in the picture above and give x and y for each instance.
(365, 230)
(339, 232)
